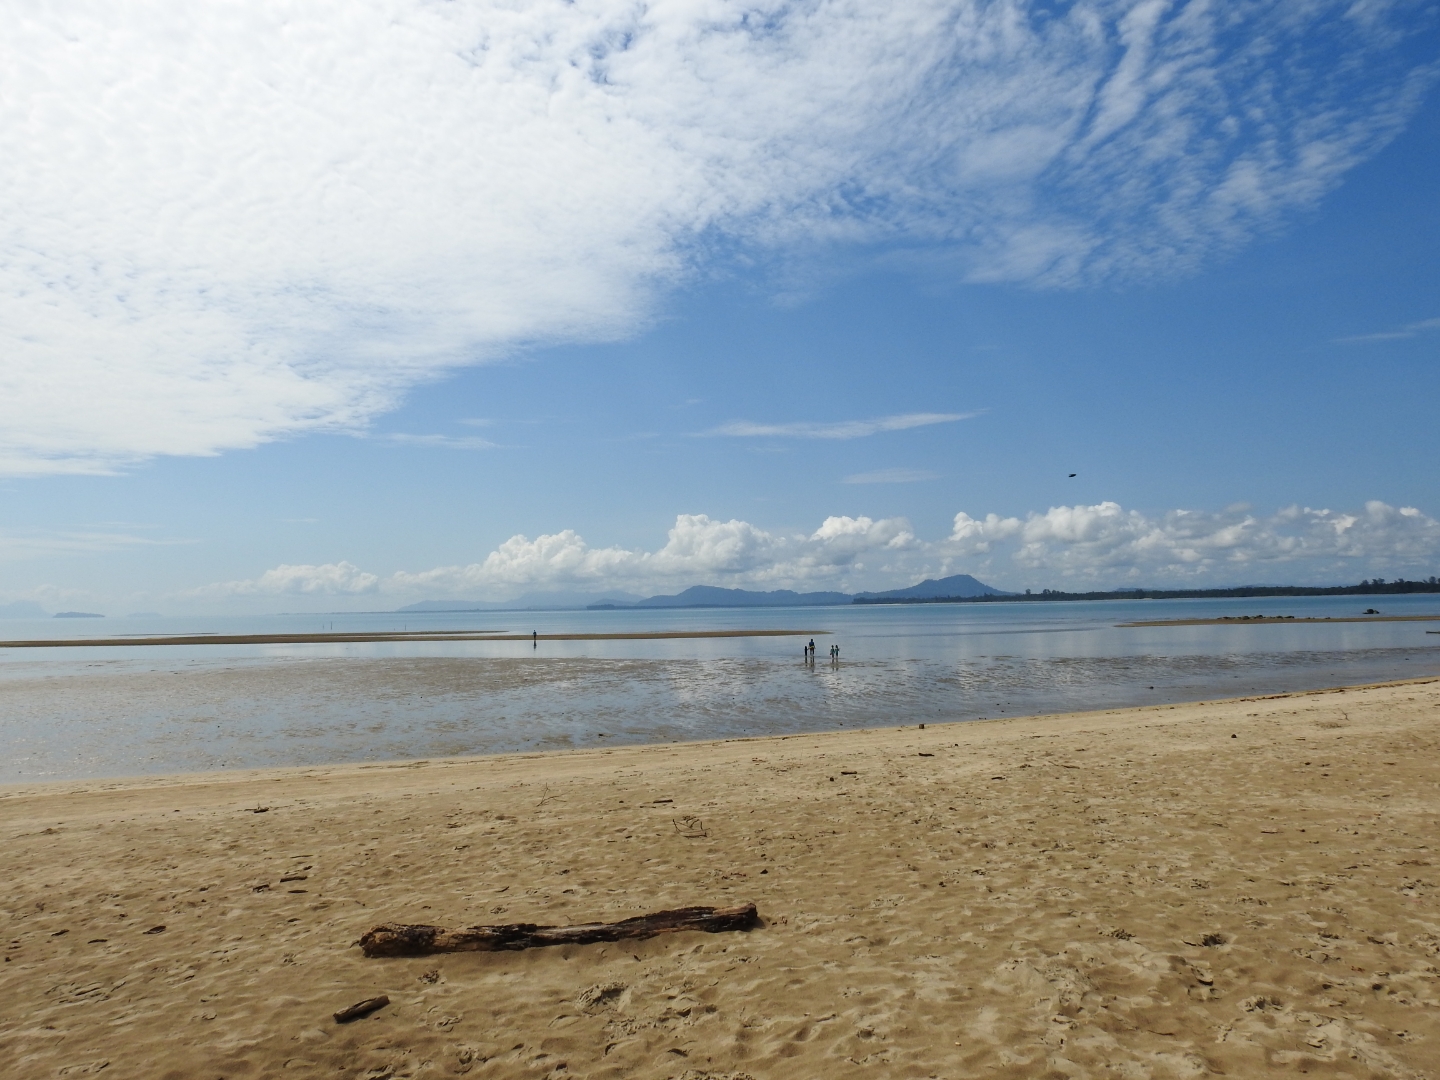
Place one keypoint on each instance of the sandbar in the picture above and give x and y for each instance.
(1244, 887)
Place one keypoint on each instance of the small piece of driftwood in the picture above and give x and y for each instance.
(361, 1008)
(399, 939)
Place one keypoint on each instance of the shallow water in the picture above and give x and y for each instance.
(84, 711)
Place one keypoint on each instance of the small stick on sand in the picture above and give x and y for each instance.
(690, 827)
(399, 939)
(361, 1008)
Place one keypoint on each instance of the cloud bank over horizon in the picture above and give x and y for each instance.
(230, 223)
(1083, 547)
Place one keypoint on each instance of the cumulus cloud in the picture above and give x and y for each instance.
(698, 548)
(843, 429)
(1107, 543)
(328, 579)
(1102, 546)
(228, 222)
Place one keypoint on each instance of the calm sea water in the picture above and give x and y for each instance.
(79, 711)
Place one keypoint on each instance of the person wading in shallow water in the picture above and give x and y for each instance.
(534, 639)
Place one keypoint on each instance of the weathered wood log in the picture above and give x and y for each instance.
(361, 1008)
(401, 939)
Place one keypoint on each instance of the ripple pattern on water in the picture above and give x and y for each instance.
(127, 717)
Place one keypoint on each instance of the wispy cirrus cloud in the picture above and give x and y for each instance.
(224, 224)
(24, 544)
(446, 442)
(1409, 330)
(891, 476)
(840, 429)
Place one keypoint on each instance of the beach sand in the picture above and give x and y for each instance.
(1243, 888)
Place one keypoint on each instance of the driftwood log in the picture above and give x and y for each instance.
(361, 1008)
(401, 939)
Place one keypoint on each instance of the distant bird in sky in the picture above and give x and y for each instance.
(1072, 475)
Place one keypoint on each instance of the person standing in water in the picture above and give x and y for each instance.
(534, 639)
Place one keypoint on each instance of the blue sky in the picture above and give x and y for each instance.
(836, 298)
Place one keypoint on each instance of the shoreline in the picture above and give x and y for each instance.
(1270, 620)
(140, 781)
(330, 638)
(1242, 886)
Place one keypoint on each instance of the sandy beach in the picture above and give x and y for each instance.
(1237, 888)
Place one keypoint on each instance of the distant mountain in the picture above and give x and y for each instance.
(556, 601)
(702, 596)
(933, 589)
(711, 596)
(23, 609)
(77, 615)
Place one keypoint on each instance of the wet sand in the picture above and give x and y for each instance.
(389, 635)
(1268, 620)
(1244, 888)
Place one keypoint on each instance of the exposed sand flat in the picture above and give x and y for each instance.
(1122, 894)
(325, 638)
(1270, 620)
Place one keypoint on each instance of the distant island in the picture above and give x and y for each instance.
(78, 615)
(1375, 587)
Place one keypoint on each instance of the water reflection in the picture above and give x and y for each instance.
(90, 712)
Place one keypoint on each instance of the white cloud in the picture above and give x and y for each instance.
(698, 548)
(228, 222)
(843, 429)
(891, 476)
(1409, 330)
(446, 442)
(1107, 543)
(841, 540)
(24, 544)
(972, 536)
(1099, 546)
(328, 579)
